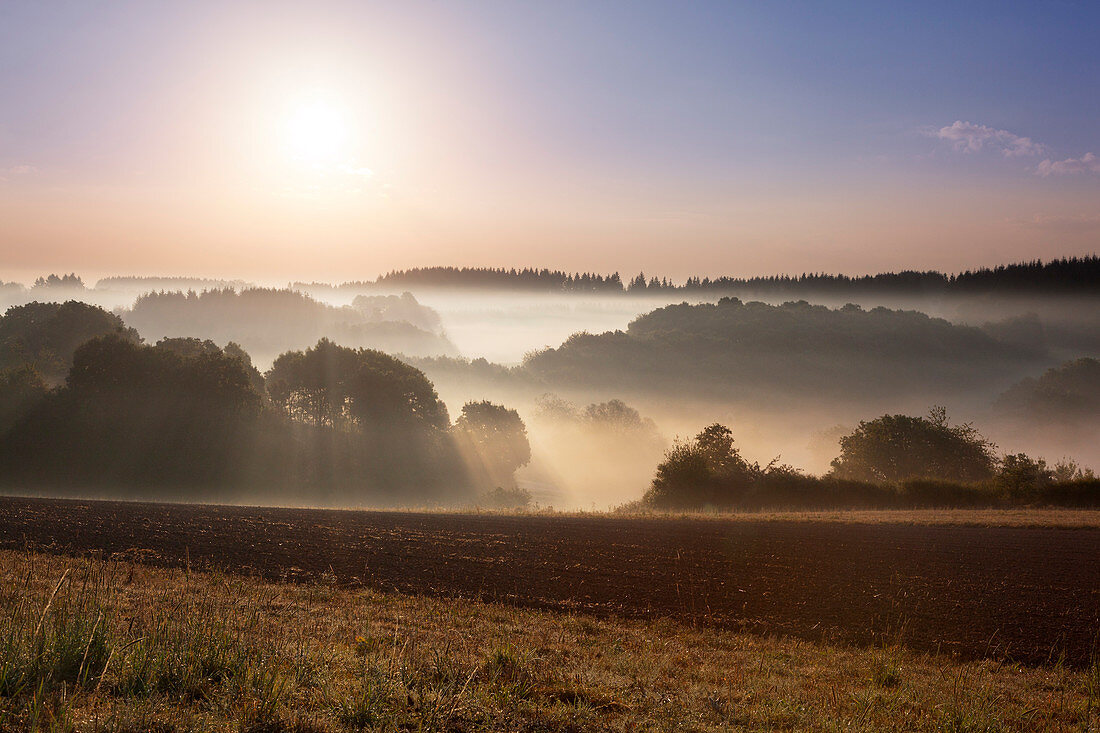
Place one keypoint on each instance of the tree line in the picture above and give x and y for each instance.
(504, 279)
(891, 461)
(1067, 275)
(1060, 276)
(187, 419)
(740, 349)
(268, 321)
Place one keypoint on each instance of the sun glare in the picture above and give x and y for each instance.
(316, 132)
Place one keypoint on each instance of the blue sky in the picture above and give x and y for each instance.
(707, 137)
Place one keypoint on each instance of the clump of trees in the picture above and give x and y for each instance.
(603, 450)
(72, 281)
(130, 414)
(527, 278)
(335, 386)
(795, 350)
(1024, 478)
(44, 336)
(493, 441)
(398, 308)
(705, 471)
(269, 321)
(613, 420)
(892, 461)
(1069, 394)
(186, 418)
(896, 448)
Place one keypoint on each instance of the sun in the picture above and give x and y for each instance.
(316, 132)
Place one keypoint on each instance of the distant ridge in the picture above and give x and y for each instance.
(1076, 275)
(169, 283)
(1063, 276)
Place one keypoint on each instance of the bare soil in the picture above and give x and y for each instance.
(1025, 593)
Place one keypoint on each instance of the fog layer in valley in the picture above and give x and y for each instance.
(606, 382)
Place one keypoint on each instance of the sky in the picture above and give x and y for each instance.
(338, 140)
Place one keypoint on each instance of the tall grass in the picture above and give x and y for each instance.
(87, 645)
(61, 639)
(69, 639)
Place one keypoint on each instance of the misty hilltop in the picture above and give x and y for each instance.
(268, 321)
(734, 349)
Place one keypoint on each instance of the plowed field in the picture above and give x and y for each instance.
(1028, 593)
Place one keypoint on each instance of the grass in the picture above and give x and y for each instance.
(89, 645)
(1013, 517)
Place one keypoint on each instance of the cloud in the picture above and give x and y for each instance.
(1087, 163)
(968, 137)
(19, 170)
(971, 138)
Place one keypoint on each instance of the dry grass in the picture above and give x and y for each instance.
(86, 645)
(1015, 517)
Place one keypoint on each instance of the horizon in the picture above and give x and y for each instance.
(30, 276)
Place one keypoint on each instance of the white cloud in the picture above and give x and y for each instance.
(1087, 163)
(971, 138)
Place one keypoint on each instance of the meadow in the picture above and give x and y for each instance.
(98, 645)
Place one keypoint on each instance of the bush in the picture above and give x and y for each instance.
(1022, 478)
(705, 471)
(933, 493)
(502, 498)
(1083, 492)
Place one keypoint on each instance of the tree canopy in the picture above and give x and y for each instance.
(45, 335)
(1056, 276)
(1067, 393)
(494, 441)
(705, 471)
(331, 385)
(733, 349)
(130, 414)
(268, 321)
(896, 448)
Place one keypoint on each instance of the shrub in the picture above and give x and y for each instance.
(705, 471)
(502, 498)
(933, 493)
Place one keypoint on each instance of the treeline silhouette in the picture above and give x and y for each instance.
(268, 321)
(1072, 275)
(72, 280)
(889, 462)
(1062, 276)
(733, 349)
(502, 279)
(46, 285)
(150, 284)
(185, 419)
